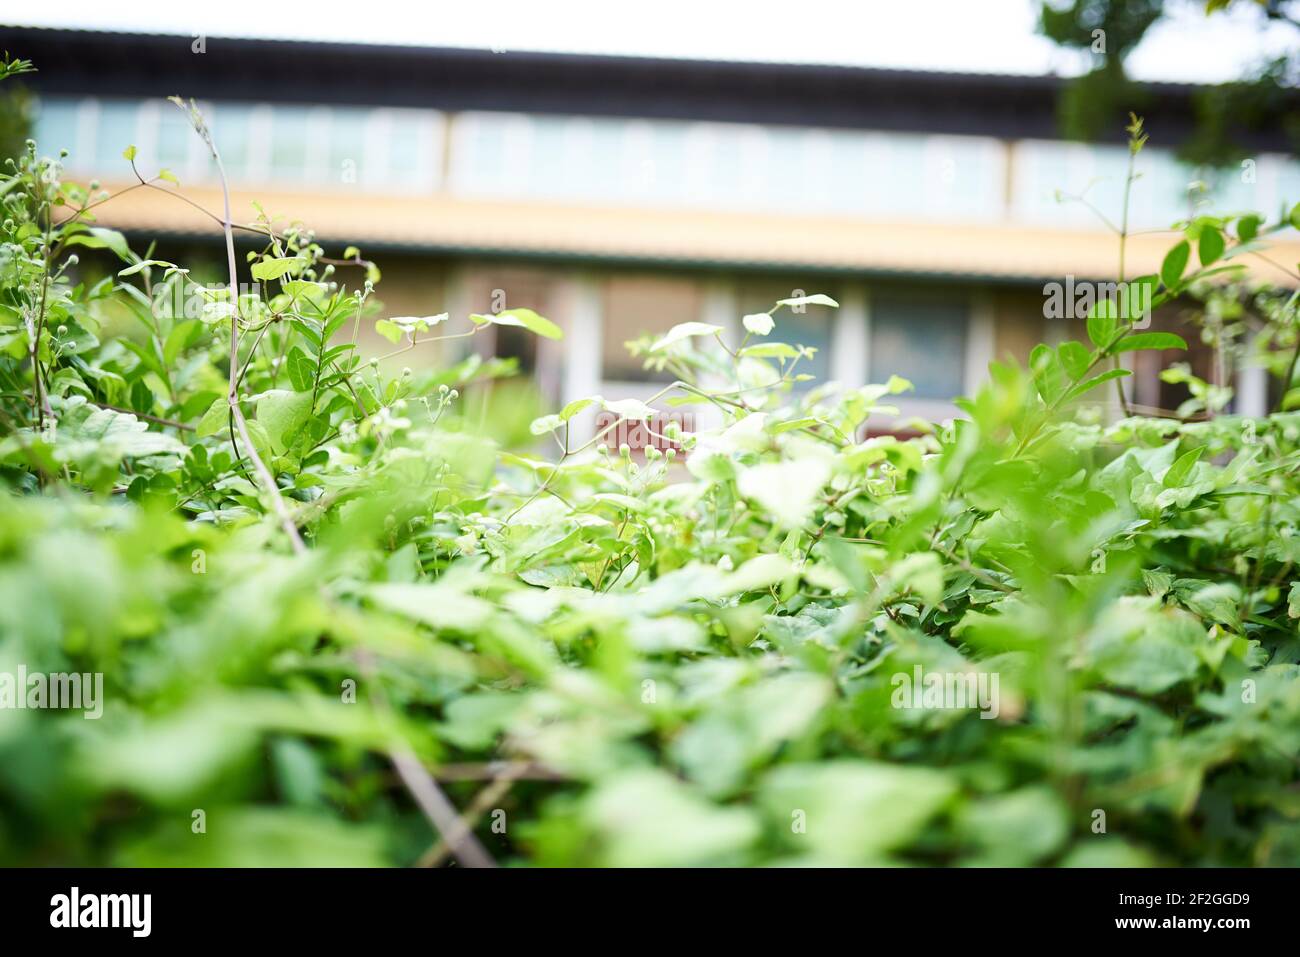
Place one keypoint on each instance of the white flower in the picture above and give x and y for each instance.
(759, 323)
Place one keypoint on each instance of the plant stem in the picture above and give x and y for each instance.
(232, 396)
(1123, 244)
(1290, 374)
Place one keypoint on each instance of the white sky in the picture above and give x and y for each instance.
(995, 36)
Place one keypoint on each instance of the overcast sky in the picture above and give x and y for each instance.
(965, 35)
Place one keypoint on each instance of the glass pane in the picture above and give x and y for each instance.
(548, 170)
(636, 306)
(56, 129)
(290, 136)
(174, 140)
(922, 341)
(117, 131)
(232, 128)
(811, 327)
(482, 146)
(347, 147)
(409, 159)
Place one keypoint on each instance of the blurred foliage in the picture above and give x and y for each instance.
(597, 659)
(16, 104)
(1109, 30)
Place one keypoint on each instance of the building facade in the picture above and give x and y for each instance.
(620, 196)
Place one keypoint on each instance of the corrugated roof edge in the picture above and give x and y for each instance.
(1052, 81)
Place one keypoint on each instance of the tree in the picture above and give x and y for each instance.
(1111, 29)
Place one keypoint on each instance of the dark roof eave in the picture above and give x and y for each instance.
(127, 64)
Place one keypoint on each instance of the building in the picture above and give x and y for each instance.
(619, 196)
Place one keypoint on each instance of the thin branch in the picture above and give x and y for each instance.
(146, 416)
(433, 803)
(236, 412)
(484, 801)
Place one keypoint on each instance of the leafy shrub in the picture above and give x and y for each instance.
(329, 612)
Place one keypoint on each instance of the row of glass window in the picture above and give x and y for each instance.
(654, 162)
(316, 147)
(844, 172)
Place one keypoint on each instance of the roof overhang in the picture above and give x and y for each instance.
(689, 238)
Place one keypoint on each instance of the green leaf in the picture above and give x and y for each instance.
(216, 419)
(1150, 340)
(770, 350)
(1149, 653)
(683, 331)
(282, 414)
(1049, 373)
(1089, 384)
(1171, 270)
(786, 490)
(648, 818)
(1179, 471)
(816, 299)
(862, 810)
(578, 405)
(524, 319)
(119, 432)
(98, 237)
(545, 423)
(1210, 245)
(303, 287)
(1075, 358)
(1102, 323)
(213, 312)
(1018, 829)
(390, 330)
(265, 270)
(142, 265)
(301, 368)
(629, 408)
(398, 326)
(183, 335)
(147, 355)
(1137, 296)
(548, 423)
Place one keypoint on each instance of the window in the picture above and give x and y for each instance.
(489, 291)
(491, 154)
(923, 340)
(232, 128)
(1043, 167)
(56, 129)
(809, 327)
(175, 141)
(117, 129)
(261, 143)
(290, 143)
(349, 162)
(412, 161)
(642, 305)
(716, 165)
